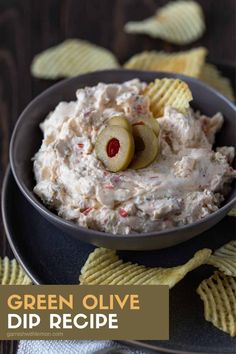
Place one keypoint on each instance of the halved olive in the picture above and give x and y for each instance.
(150, 122)
(146, 146)
(115, 148)
(121, 122)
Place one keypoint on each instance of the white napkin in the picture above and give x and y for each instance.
(73, 347)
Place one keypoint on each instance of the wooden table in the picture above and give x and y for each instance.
(29, 26)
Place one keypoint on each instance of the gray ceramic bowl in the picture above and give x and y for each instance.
(26, 140)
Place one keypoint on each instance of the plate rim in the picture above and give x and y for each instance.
(7, 229)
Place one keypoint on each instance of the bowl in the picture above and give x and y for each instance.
(26, 140)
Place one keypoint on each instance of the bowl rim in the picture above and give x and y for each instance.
(76, 227)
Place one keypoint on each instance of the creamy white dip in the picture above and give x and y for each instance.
(186, 182)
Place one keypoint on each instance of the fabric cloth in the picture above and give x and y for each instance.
(74, 347)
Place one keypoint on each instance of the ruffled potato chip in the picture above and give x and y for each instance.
(179, 22)
(168, 92)
(70, 58)
(104, 267)
(188, 62)
(232, 212)
(211, 76)
(218, 294)
(225, 259)
(11, 273)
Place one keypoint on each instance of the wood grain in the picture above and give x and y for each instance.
(30, 26)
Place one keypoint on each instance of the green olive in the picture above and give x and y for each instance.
(121, 122)
(146, 146)
(115, 148)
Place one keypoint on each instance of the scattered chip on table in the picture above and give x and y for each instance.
(225, 259)
(218, 294)
(189, 62)
(232, 212)
(70, 58)
(104, 267)
(11, 273)
(179, 22)
(212, 76)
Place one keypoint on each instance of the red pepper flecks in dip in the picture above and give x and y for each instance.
(139, 108)
(108, 186)
(86, 211)
(139, 123)
(123, 213)
(113, 147)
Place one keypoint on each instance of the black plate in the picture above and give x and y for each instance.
(51, 257)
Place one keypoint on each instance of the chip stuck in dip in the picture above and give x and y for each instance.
(107, 164)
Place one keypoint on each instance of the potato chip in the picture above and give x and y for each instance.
(11, 273)
(232, 212)
(211, 76)
(179, 22)
(218, 294)
(188, 62)
(104, 267)
(225, 259)
(70, 58)
(168, 92)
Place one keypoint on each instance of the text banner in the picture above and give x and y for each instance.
(84, 312)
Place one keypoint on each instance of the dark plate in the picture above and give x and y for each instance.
(27, 138)
(49, 256)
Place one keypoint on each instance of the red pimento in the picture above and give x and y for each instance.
(139, 123)
(86, 211)
(109, 186)
(123, 213)
(139, 108)
(113, 147)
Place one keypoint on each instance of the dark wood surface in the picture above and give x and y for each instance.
(30, 26)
